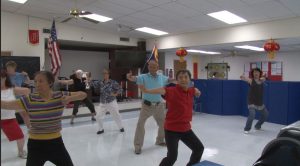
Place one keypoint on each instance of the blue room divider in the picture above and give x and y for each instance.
(229, 97)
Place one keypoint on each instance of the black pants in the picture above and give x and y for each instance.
(189, 139)
(87, 102)
(54, 150)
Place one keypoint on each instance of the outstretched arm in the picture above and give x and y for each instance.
(244, 78)
(18, 91)
(161, 91)
(12, 105)
(66, 82)
(74, 96)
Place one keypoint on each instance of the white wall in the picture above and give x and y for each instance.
(291, 64)
(285, 28)
(89, 61)
(14, 35)
(170, 57)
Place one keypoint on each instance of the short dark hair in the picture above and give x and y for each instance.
(49, 76)
(7, 79)
(184, 72)
(256, 69)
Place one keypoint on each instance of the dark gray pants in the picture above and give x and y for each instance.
(87, 102)
(262, 119)
(189, 139)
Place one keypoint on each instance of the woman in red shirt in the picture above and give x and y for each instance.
(177, 126)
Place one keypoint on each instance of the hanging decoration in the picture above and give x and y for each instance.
(33, 36)
(271, 47)
(181, 52)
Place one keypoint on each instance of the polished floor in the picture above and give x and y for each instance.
(223, 138)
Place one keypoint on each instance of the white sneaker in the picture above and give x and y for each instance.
(23, 154)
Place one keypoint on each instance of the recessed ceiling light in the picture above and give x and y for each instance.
(227, 17)
(204, 52)
(96, 17)
(250, 48)
(18, 1)
(151, 31)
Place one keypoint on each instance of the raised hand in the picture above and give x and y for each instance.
(65, 100)
(197, 92)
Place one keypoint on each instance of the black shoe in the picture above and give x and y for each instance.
(122, 130)
(100, 132)
(93, 119)
(137, 151)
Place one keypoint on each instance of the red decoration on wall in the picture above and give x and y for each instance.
(34, 36)
(181, 52)
(195, 70)
(271, 46)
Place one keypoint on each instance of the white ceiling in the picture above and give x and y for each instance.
(172, 16)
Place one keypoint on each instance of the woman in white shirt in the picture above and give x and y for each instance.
(9, 124)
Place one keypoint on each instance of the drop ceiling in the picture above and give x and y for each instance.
(172, 16)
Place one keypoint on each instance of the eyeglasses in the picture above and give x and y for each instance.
(105, 73)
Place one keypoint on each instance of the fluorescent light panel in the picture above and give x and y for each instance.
(151, 31)
(204, 52)
(96, 17)
(253, 48)
(227, 17)
(18, 1)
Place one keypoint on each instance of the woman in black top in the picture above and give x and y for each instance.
(255, 99)
(80, 84)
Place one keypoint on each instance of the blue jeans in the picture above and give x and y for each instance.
(264, 114)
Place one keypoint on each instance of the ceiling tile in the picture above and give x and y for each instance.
(179, 9)
(96, 10)
(250, 2)
(132, 4)
(293, 5)
(137, 21)
(250, 14)
(112, 7)
(228, 4)
(204, 6)
(162, 13)
(147, 17)
(272, 9)
(156, 2)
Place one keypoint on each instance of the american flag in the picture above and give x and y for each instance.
(54, 50)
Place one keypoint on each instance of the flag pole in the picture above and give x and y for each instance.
(152, 54)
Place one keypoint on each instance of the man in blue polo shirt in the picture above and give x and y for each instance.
(16, 78)
(152, 105)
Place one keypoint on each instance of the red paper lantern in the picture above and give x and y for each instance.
(181, 52)
(271, 46)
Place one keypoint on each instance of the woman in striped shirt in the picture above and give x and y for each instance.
(45, 109)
